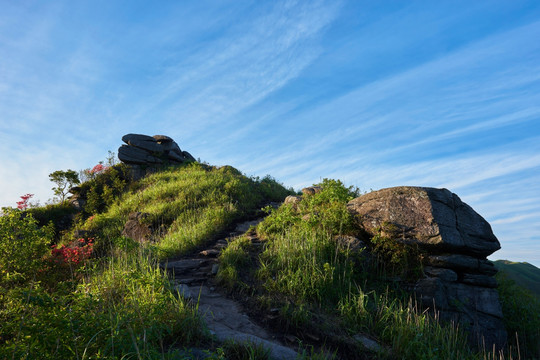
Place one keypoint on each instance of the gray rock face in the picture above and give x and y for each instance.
(312, 190)
(136, 229)
(458, 280)
(433, 218)
(151, 150)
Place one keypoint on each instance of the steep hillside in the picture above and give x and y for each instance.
(185, 206)
(85, 279)
(99, 294)
(523, 273)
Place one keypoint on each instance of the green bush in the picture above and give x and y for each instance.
(60, 215)
(23, 244)
(103, 188)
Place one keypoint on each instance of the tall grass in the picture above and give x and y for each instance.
(121, 307)
(191, 204)
(322, 285)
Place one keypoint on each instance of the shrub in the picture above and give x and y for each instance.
(104, 186)
(23, 244)
(60, 215)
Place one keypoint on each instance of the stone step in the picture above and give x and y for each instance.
(210, 252)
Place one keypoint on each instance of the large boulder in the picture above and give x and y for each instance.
(457, 281)
(137, 156)
(144, 142)
(151, 150)
(434, 218)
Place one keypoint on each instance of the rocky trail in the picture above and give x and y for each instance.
(194, 279)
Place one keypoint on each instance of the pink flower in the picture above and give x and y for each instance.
(23, 204)
(99, 168)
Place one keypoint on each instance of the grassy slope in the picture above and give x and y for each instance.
(191, 204)
(122, 305)
(325, 290)
(321, 288)
(524, 274)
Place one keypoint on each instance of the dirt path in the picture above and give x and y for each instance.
(194, 278)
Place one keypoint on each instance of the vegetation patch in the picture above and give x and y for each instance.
(193, 203)
(333, 290)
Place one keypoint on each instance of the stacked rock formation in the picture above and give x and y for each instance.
(151, 150)
(458, 280)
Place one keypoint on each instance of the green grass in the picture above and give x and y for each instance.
(191, 204)
(120, 305)
(121, 308)
(323, 287)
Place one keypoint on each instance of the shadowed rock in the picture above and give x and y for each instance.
(151, 150)
(458, 280)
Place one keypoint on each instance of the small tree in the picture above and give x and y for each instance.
(64, 180)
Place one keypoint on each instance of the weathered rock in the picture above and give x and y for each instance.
(433, 218)
(188, 156)
(367, 343)
(210, 252)
(476, 309)
(458, 282)
(175, 157)
(182, 266)
(77, 202)
(226, 321)
(462, 263)
(351, 243)
(479, 280)
(144, 142)
(454, 261)
(136, 228)
(137, 156)
(311, 190)
(162, 139)
(443, 274)
(151, 150)
(246, 225)
(293, 200)
(183, 291)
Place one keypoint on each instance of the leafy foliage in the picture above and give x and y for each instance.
(103, 187)
(64, 180)
(22, 245)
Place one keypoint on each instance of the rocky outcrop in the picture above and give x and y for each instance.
(151, 150)
(139, 228)
(458, 280)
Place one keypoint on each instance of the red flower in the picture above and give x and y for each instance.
(23, 204)
(99, 168)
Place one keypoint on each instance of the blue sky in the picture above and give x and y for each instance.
(377, 94)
